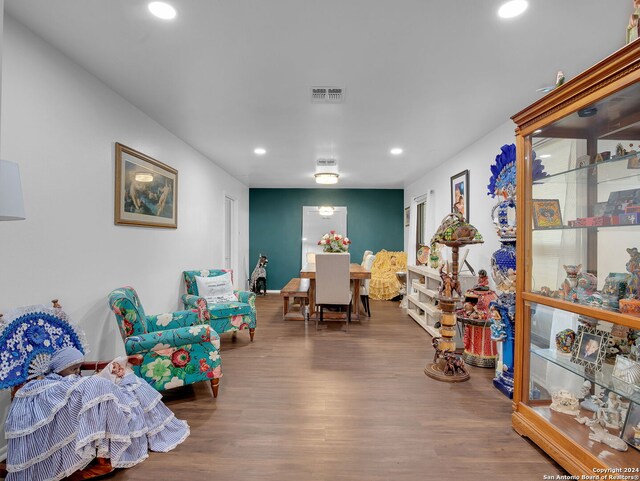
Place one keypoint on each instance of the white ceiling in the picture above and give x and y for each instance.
(430, 76)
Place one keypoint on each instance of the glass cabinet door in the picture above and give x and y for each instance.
(585, 205)
(577, 383)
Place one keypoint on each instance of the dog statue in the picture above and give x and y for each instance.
(258, 281)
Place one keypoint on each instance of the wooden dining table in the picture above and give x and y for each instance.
(356, 273)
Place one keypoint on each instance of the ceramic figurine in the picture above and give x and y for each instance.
(483, 280)
(601, 435)
(614, 289)
(434, 256)
(565, 402)
(565, 340)
(633, 267)
(571, 282)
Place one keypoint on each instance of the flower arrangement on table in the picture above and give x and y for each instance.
(333, 242)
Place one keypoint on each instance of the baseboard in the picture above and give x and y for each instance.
(3, 453)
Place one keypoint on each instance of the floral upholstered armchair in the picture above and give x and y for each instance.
(177, 348)
(224, 316)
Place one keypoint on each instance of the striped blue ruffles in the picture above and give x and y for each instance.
(57, 425)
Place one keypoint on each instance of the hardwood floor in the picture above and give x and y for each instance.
(299, 404)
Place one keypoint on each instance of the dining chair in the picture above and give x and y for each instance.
(367, 263)
(333, 286)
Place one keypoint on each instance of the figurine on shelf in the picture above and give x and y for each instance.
(571, 282)
(565, 402)
(601, 435)
(565, 340)
(610, 413)
(633, 267)
(449, 284)
(631, 303)
(483, 280)
(434, 256)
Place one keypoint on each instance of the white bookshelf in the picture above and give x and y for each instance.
(422, 297)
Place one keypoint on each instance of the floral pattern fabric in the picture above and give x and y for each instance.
(222, 317)
(177, 348)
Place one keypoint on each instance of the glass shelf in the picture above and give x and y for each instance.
(566, 227)
(602, 378)
(582, 172)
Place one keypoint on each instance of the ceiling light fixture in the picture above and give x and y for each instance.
(513, 8)
(396, 151)
(259, 151)
(162, 10)
(327, 177)
(144, 177)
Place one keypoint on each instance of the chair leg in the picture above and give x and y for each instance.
(321, 312)
(215, 383)
(349, 315)
(368, 306)
(251, 333)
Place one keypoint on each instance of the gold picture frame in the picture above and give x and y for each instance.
(146, 190)
(546, 213)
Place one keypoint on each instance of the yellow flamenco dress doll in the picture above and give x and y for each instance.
(384, 282)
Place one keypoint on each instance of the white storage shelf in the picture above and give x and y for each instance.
(422, 297)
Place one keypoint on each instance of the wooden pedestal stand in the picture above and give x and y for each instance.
(447, 303)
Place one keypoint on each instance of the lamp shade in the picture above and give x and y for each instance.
(11, 203)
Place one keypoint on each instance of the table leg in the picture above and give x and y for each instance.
(312, 298)
(356, 299)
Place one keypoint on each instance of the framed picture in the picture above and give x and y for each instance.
(407, 213)
(146, 190)
(546, 213)
(631, 430)
(460, 194)
(590, 348)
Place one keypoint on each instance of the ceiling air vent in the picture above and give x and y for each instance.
(327, 95)
(326, 163)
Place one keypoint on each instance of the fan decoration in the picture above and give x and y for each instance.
(28, 338)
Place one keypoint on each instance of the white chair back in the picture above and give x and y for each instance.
(311, 257)
(332, 279)
(367, 264)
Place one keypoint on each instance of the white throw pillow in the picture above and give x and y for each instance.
(216, 289)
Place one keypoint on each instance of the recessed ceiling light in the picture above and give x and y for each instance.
(513, 8)
(162, 10)
(396, 151)
(259, 151)
(545, 156)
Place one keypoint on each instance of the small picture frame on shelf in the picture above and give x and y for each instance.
(627, 371)
(546, 213)
(589, 348)
(631, 429)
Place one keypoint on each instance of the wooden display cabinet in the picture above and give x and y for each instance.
(581, 212)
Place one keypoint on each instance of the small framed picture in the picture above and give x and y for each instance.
(460, 194)
(627, 371)
(590, 348)
(631, 430)
(407, 213)
(546, 213)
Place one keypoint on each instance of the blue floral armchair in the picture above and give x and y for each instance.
(224, 317)
(177, 348)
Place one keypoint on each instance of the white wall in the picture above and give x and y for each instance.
(60, 124)
(477, 158)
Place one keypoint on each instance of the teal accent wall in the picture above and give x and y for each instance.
(374, 222)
